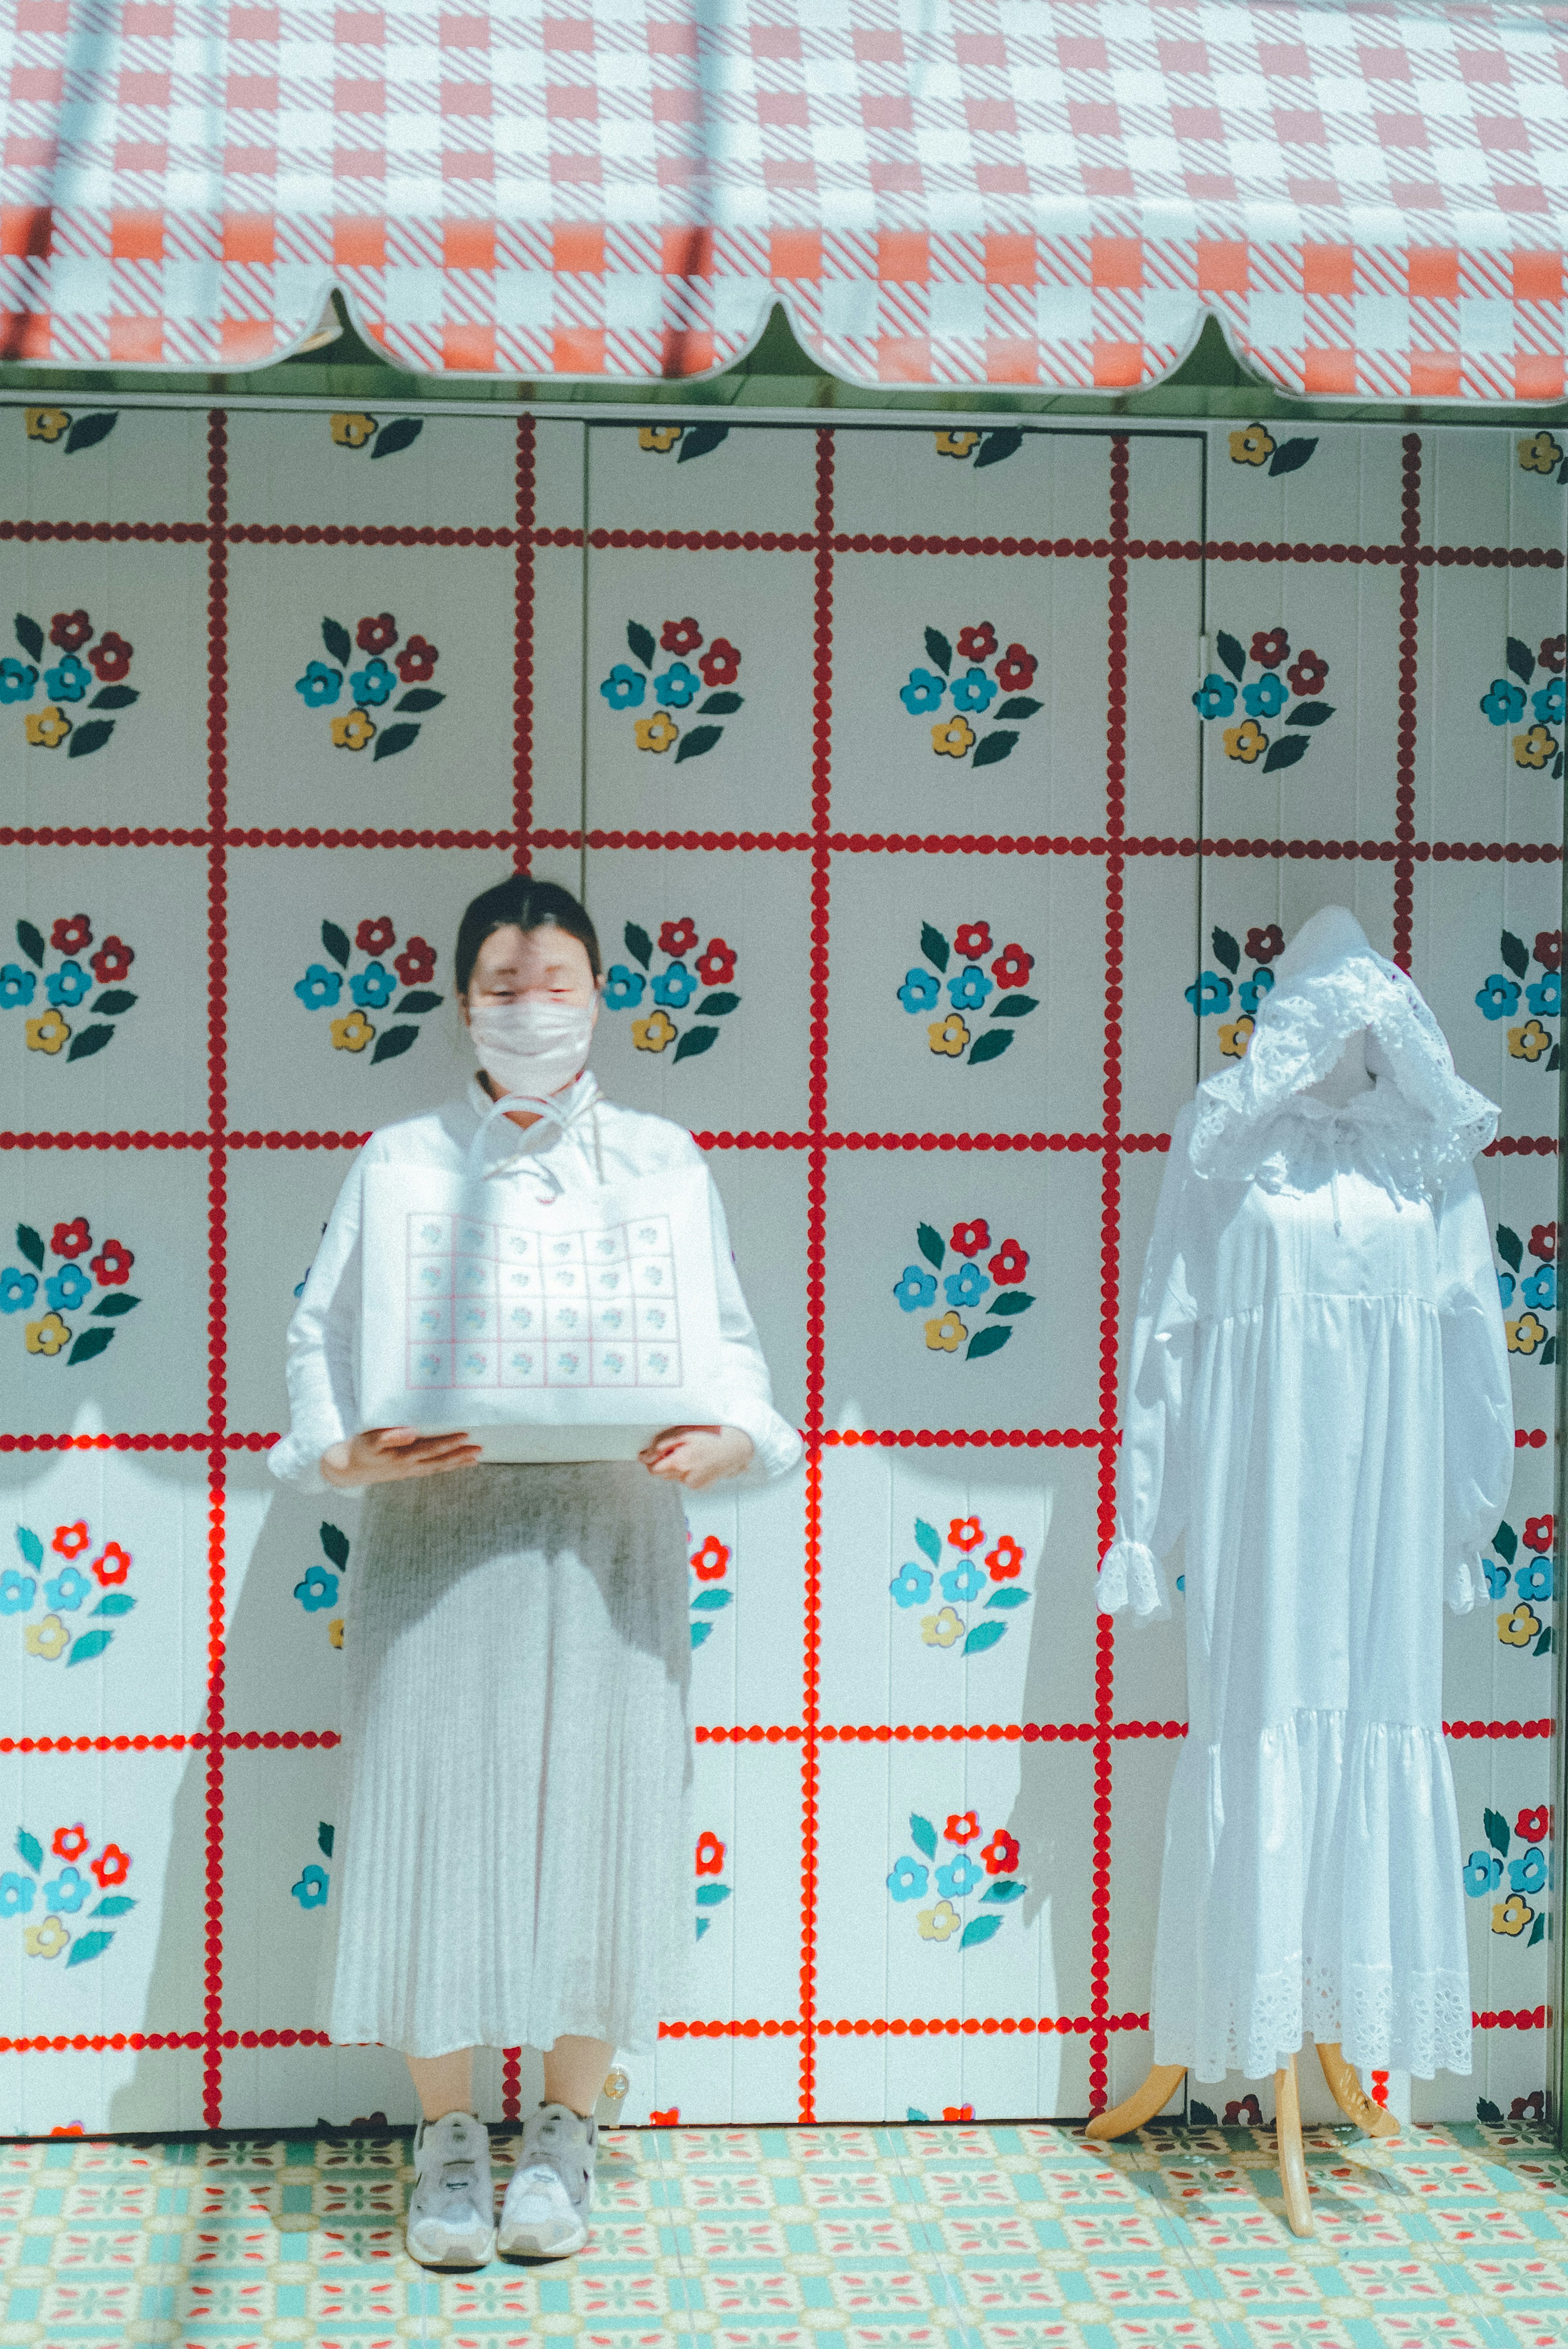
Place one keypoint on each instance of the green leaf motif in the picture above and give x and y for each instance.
(988, 1341)
(1014, 1007)
(978, 1930)
(31, 1245)
(112, 1307)
(418, 699)
(1543, 1645)
(86, 1645)
(710, 1602)
(86, 1041)
(1521, 660)
(1017, 1300)
(719, 705)
(1515, 953)
(119, 1904)
(1487, 2114)
(88, 430)
(335, 1542)
(86, 740)
(1554, 1057)
(699, 440)
(933, 946)
(700, 1632)
(91, 1343)
(392, 1043)
(337, 641)
(31, 1547)
(1497, 1834)
(30, 636)
(1548, 1354)
(1226, 951)
(323, 1834)
(31, 1849)
(1537, 1930)
(710, 1895)
(923, 1835)
(114, 696)
(640, 639)
(117, 1000)
(1291, 457)
(938, 652)
(696, 745)
(713, 1007)
(984, 1636)
(1018, 706)
(1285, 752)
(31, 943)
(639, 945)
(400, 433)
(995, 446)
(1010, 1595)
(114, 1602)
(1510, 1246)
(929, 1540)
(1310, 713)
(931, 1245)
(993, 747)
(990, 1046)
(695, 1040)
(90, 1945)
(1008, 1888)
(336, 942)
(418, 1003)
(1230, 653)
(393, 741)
(1505, 1541)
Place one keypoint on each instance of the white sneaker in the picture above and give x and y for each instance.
(551, 2191)
(451, 2211)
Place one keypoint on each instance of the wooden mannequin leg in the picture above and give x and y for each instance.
(1352, 2098)
(1141, 2105)
(1293, 2162)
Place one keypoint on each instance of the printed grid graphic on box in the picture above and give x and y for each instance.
(1391, 869)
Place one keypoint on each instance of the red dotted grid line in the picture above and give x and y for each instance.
(996, 1439)
(969, 2026)
(801, 841)
(329, 534)
(217, 1194)
(43, 2042)
(522, 663)
(1405, 761)
(251, 1739)
(752, 2028)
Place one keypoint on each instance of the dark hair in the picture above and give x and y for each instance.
(521, 903)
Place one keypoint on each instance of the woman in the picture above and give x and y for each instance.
(516, 1834)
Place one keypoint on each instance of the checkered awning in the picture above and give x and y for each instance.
(1372, 196)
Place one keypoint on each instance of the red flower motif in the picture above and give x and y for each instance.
(112, 960)
(1000, 1854)
(1529, 2108)
(1549, 949)
(69, 1843)
(69, 630)
(1531, 1827)
(110, 658)
(1555, 653)
(1270, 646)
(666, 2119)
(71, 1540)
(112, 1265)
(1004, 1560)
(966, 1533)
(1015, 669)
(71, 933)
(710, 1854)
(709, 1563)
(112, 1866)
(1013, 966)
(1245, 2112)
(977, 644)
(970, 1238)
(721, 664)
(72, 1239)
(1543, 1241)
(962, 1826)
(1009, 1265)
(958, 2111)
(1538, 1533)
(716, 964)
(678, 938)
(1263, 944)
(972, 943)
(416, 663)
(373, 937)
(416, 963)
(680, 636)
(113, 1566)
(1308, 673)
(377, 636)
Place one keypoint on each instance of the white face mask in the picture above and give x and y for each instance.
(532, 1046)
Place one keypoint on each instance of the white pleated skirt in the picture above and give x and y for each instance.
(513, 1851)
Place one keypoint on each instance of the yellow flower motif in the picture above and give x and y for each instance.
(48, 1336)
(48, 423)
(938, 1924)
(1534, 749)
(1245, 741)
(949, 1035)
(942, 1631)
(335, 1632)
(1539, 454)
(1529, 1043)
(47, 1638)
(1253, 447)
(1518, 1625)
(946, 1336)
(956, 444)
(1525, 1334)
(351, 431)
(47, 1033)
(46, 727)
(660, 438)
(952, 741)
(1235, 1038)
(656, 733)
(352, 1033)
(1513, 1915)
(44, 1940)
(652, 1034)
(353, 730)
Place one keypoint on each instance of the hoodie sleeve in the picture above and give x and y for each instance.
(1151, 1477)
(1478, 1396)
(322, 1344)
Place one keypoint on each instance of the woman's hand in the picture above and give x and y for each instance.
(695, 1457)
(383, 1455)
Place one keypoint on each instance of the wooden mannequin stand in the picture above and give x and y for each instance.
(1342, 2086)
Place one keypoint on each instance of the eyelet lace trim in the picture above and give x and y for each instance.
(1133, 1577)
(1422, 2025)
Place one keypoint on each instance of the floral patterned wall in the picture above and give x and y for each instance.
(945, 798)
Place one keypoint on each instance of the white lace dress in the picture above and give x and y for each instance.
(1318, 1400)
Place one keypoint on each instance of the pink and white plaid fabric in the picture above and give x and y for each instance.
(1036, 193)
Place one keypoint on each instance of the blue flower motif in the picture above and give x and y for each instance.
(973, 690)
(319, 1589)
(1545, 996)
(319, 987)
(16, 1895)
(676, 687)
(911, 1584)
(1502, 701)
(67, 1288)
(908, 1881)
(1215, 697)
(372, 683)
(1537, 1579)
(1505, 1290)
(67, 1590)
(1482, 1873)
(915, 1288)
(1497, 1577)
(311, 1890)
(1249, 992)
(1528, 1872)
(17, 679)
(1541, 1289)
(373, 988)
(1551, 701)
(1210, 992)
(623, 988)
(67, 1891)
(967, 1286)
(922, 693)
(919, 990)
(959, 1876)
(16, 987)
(969, 990)
(319, 685)
(963, 1581)
(17, 1290)
(68, 680)
(18, 1591)
(674, 988)
(67, 985)
(1499, 997)
(625, 687)
(1266, 698)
